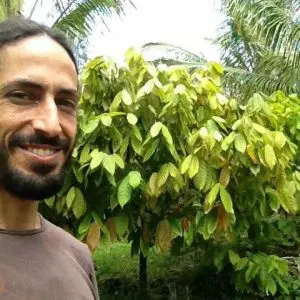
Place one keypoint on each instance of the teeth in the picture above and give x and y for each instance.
(41, 152)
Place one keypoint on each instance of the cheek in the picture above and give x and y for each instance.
(69, 126)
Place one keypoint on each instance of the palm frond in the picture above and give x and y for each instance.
(77, 18)
(260, 46)
(10, 8)
(170, 54)
(272, 22)
(242, 84)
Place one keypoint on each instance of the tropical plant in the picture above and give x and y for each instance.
(260, 46)
(168, 54)
(74, 17)
(9, 8)
(165, 160)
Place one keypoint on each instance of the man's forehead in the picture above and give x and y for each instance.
(38, 59)
(40, 47)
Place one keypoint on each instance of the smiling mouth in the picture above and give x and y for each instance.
(40, 151)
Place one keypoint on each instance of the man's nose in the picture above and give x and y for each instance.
(47, 118)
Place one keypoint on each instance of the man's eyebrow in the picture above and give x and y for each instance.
(21, 83)
(25, 83)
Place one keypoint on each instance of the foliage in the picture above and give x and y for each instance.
(259, 44)
(76, 18)
(164, 159)
(171, 55)
(10, 8)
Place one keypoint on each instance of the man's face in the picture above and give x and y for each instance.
(38, 98)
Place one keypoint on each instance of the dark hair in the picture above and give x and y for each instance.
(18, 28)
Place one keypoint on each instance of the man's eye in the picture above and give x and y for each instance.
(20, 96)
(68, 103)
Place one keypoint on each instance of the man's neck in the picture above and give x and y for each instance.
(17, 214)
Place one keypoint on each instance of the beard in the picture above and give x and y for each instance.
(41, 183)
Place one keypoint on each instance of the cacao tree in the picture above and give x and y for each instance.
(165, 160)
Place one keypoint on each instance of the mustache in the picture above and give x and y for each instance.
(39, 139)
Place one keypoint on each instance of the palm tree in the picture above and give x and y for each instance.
(74, 17)
(260, 42)
(10, 8)
(171, 55)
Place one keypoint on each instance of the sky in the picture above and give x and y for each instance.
(187, 24)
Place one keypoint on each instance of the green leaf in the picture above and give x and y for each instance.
(180, 89)
(97, 158)
(116, 102)
(126, 98)
(106, 120)
(124, 145)
(176, 226)
(241, 264)
(109, 164)
(211, 222)
(186, 164)
(213, 104)
(226, 200)
(280, 140)
(249, 275)
(174, 152)
(287, 200)
(271, 286)
(240, 143)
(79, 204)
(167, 135)
(194, 166)
(132, 119)
(135, 178)
(50, 201)
(211, 198)
(155, 129)
(148, 87)
(116, 137)
(124, 192)
(259, 128)
(122, 222)
(150, 151)
(233, 257)
(85, 154)
(136, 145)
(200, 178)
(136, 132)
(163, 175)
(85, 224)
(228, 141)
(119, 161)
(270, 156)
(70, 197)
(236, 124)
(174, 172)
(90, 126)
(218, 67)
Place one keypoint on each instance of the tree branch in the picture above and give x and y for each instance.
(33, 9)
(63, 12)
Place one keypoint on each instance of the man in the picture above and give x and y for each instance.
(38, 99)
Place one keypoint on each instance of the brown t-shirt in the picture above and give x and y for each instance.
(45, 264)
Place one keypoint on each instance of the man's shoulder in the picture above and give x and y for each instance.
(66, 241)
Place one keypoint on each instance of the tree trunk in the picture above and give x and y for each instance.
(143, 280)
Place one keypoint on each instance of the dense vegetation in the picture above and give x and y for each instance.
(165, 160)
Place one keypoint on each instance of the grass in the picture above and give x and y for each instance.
(185, 277)
(117, 272)
(115, 261)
